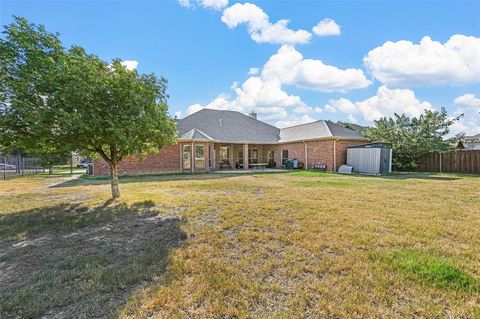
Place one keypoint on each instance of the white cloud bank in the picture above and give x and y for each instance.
(469, 106)
(429, 62)
(259, 26)
(385, 103)
(212, 4)
(327, 27)
(264, 92)
(289, 66)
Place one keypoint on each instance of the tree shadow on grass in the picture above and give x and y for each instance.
(70, 261)
(103, 180)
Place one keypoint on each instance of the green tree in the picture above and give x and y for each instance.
(413, 138)
(68, 100)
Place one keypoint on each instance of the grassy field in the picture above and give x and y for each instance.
(292, 245)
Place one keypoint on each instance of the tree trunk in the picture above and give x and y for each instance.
(114, 180)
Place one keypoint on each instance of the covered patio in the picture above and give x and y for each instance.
(243, 156)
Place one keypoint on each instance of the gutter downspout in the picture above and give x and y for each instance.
(335, 155)
(306, 156)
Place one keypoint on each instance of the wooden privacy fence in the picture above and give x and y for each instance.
(458, 161)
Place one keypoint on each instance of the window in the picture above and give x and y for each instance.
(253, 156)
(187, 160)
(199, 156)
(240, 156)
(271, 156)
(284, 156)
(224, 156)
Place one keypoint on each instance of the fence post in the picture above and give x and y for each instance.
(4, 167)
(440, 161)
(71, 164)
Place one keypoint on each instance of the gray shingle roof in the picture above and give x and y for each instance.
(231, 126)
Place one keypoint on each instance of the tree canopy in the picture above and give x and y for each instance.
(55, 99)
(413, 138)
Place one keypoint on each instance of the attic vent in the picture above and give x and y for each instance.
(253, 115)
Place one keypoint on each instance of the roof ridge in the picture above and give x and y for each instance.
(328, 127)
(241, 113)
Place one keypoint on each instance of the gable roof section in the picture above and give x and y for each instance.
(317, 130)
(236, 127)
(196, 135)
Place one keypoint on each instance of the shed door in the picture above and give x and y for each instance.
(385, 161)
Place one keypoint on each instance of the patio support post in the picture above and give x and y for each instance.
(231, 156)
(192, 158)
(214, 157)
(181, 156)
(245, 156)
(306, 156)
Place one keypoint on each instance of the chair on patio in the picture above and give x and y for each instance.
(320, 167)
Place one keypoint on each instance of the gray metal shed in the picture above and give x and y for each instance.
(371, 158)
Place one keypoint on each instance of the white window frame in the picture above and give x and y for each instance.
(199, 161)
(187, 164)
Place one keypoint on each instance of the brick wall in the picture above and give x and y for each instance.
(342, 150)
(167, 160)
(317, 152)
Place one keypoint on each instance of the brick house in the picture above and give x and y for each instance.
(211, 140)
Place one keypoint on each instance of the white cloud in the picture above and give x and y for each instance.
(455, 62)
(289, 66)
(327, 27)
(194, 108)
(469, 106)
(385, 103)
(468, 100)
(264, 97)
(212, 4)
(259, 26)
(215, 4)
(253, 71)
(130, 64)
(303, 109)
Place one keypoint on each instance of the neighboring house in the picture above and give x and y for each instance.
(212, 140)
(469, 142)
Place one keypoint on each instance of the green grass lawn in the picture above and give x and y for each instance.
(291, 245)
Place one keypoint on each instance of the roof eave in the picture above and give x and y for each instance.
(361, 139)
(340, 138)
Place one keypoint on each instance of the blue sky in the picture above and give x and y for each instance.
(345, 70)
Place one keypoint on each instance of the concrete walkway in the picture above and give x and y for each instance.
(249, 171)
